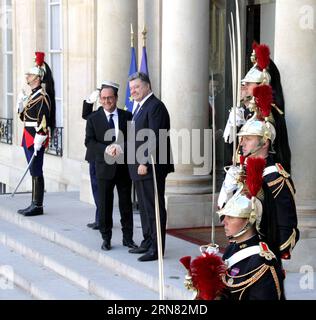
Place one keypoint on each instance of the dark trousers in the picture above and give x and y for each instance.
(94, 187)
(106, 197)
(146, 200)
(36, 169)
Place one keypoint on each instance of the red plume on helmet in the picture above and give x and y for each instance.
(264, 98)
(186, 262)
(262, 55)
(254, 171)
(39, 58)
(206, 271)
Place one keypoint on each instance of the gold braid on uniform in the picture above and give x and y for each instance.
(256, 274)
(277, 108)
(279, 183)
(291, 241)
(30, 105)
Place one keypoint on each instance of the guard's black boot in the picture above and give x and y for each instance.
(36, 207)
(21, 211)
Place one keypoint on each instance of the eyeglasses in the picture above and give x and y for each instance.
(110, 98)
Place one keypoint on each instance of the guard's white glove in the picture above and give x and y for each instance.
(21, 98)
(38, 142)
(229, 185)
(93, 97)
(240, 120)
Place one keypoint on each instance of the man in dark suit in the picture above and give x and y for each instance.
(149, 113)
(106, 136)
(87, 110)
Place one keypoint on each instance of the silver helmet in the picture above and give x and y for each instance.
(255, 127)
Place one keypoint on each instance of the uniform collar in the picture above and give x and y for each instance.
(36, 89)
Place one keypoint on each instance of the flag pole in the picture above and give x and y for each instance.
(132, 36)
(144, 33)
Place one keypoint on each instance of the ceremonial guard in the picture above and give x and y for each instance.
(264, 72)
(257, 139)
(253, 270)
(37, 112)
(248, 270)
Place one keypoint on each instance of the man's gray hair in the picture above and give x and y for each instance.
(140, 75)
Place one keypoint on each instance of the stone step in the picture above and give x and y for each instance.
(14, 293)
(89, 275)
(306, 212)
(33, 281)
(64, 223)
(296, 287)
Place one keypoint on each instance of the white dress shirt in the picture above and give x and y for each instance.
(115, 120)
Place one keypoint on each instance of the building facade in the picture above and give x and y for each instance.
(87, 41)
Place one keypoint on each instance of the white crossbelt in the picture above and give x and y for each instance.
(241, 255)
(30, 124)
(270, 169)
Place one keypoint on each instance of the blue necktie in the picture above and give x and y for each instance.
(112, 126)
(135, 112)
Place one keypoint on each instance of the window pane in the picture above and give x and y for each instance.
(9, 106)
(55, 27)
(56, 69)
(59, 113)
(9, 3)
(9, 32)
(9, 73)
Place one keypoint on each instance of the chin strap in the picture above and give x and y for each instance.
(259, 146)
(241, 232)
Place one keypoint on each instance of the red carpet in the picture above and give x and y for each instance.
(200, 236)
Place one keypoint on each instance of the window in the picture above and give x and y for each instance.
(55, 54)
(6, 18)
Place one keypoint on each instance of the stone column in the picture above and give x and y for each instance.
(184, 90)
(295, 46)
(28, 37)
(149, 15)
(114, 18)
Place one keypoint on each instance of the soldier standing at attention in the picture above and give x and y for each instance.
(37, 113)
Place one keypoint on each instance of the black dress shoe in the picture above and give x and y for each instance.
(93, 226)
(106, 245)
(148, 257)
(130, 243)
(138, 250)
(33, 210)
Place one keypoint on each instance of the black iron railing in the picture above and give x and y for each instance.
(6, 130)
(55, 146)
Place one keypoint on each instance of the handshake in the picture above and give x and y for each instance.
(114, 150)
(93, 97)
